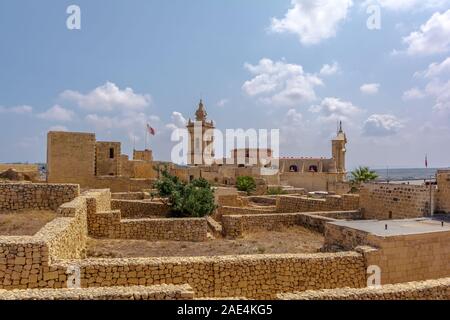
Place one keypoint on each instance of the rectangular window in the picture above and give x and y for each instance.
(111, 153)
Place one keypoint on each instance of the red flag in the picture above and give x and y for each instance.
(150, 130)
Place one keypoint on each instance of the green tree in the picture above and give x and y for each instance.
(246, 184)
(362, 175)
(194, 199)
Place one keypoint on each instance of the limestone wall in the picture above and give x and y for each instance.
(133, 209)
(20, 167)
(237, 225)
(443, 192)
(40, 196)
(245, 210)
(289, 203)
(423, 290)
(130, 195)
(394, 201)
(257, 276)
(159, 292)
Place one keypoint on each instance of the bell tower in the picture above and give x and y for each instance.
(201, 137)
(339, 149)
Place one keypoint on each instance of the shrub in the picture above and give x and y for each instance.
(276, 191)
(194, 199)
(246, 184)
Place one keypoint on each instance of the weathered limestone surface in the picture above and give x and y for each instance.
(158, 292)
(426, 290)
(255, 276)
(443, 191)
(289, 203)
(39, 196)
(132, 209)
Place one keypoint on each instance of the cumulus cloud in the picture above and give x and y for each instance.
(432, 37)
(108, 97)
(57, 113)
(312, 20)
(294, 117)
(441, 92)
(178, 119)
(24, 109)
(281, 83)
(333, 109)
(382, 125)
(328, 70)
(413, 94)
(370, 88)
(222, 102)
(436, 69)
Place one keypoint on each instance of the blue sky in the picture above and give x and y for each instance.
(298, 65)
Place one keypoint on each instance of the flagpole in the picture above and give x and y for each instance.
(145, 147)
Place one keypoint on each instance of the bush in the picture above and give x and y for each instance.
(276, 191)
(246, 184)
(195, 199)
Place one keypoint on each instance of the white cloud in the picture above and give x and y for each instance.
(413, 94)
(294, 117)
(441, 91)
(433, 36)
(222, 102)
(436, 69)
(280, 83)
(178, 119)
(334, 109)
(401, 5)
(108, 97)
(24, 109)
(58, 128)
(57, 113)
(328, 70)
(370, 88)
(382, 125)
(132, 122)
(313, 20)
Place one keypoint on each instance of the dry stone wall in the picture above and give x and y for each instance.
(425, 290)
(134, 209)
(288, 203)
(257, 276)
(159, 292)
(394, 201)
(39, 196)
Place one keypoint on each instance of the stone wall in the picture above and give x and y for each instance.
(394, 201)
(246, 210)
(402, 258)
(424, 290)
(443, 192)
(235, 226)
(289, 203)
(130, 195)
(257, 276)
(39, 196)
(133, 209)
(158, 292)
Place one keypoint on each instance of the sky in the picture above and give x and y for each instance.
(300, 66)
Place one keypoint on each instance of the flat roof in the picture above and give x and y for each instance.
(398, 227)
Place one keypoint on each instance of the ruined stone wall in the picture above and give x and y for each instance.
(17, 196)
(135, 209)
(290, 203)
(235, 226)
(130, 195)
(394, 201)
(245, 210)
(421, 290)
(256, 277)
(443, 192)
(158, 292)
(20, 167)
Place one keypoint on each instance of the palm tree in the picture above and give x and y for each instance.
(362, 175)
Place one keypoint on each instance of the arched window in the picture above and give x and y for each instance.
(313, 168)
(293, 168)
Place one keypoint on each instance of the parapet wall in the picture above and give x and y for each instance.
(425, 290)
(394, 201)
(443, 192)
(39, 196)
(257, 277)
(288, 204)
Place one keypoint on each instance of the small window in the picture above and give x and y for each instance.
(111, 153)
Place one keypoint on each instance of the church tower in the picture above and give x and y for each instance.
(339, 149)
(201, 137)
